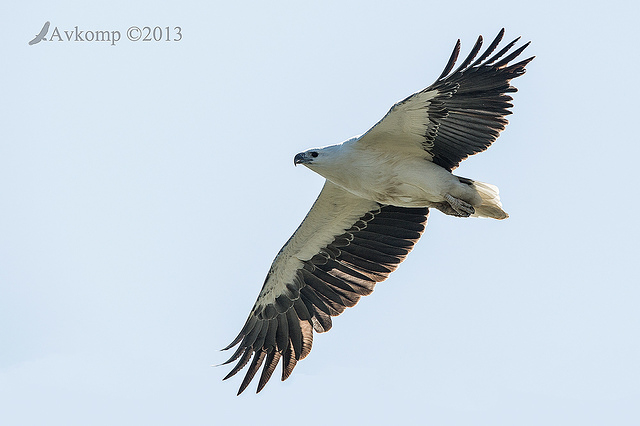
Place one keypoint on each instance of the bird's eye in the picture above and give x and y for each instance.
(314, 154)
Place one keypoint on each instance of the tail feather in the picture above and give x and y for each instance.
(491, 205)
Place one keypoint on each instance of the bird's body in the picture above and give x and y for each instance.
(401, 179)
(374, 206)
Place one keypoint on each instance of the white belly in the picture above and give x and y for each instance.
(404, 182)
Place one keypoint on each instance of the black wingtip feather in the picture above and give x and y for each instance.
(251, 372)
(452, 60)
(502, 51)
(235, 355)
(282, 334)
(474, 51)
(295, 333)
(240, 365)
(489, 50)
(289, 362)
(269, 367)
(504, 61)
(251, 321)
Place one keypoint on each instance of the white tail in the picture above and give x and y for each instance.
(491, 205)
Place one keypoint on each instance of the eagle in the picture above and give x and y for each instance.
(374, 205)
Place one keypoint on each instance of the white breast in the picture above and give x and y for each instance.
(401, 180)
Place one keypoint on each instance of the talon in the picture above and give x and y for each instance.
(461, 207)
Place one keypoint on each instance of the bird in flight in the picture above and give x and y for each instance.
(41, 35)
(374, 205)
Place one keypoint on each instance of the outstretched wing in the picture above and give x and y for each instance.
(459, 115)
(343, 247)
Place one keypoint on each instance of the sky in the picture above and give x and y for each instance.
(146, 186)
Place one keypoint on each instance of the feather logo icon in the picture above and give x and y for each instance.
(40, 36)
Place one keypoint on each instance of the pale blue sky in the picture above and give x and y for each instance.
(146, 187)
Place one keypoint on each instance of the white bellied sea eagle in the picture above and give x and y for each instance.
(374, 205)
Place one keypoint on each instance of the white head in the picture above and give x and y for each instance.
(332, 162)
(319, 157)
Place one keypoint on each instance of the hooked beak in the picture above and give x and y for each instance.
(301, 158)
